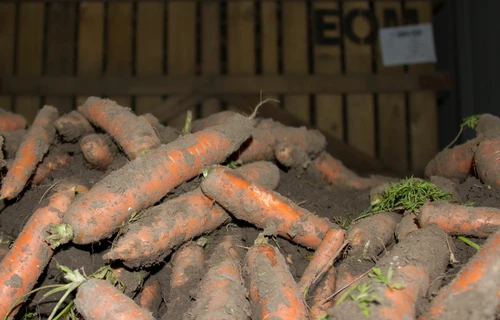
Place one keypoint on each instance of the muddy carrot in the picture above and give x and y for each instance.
(407, 224)
(35, 145)
(163, 227)
(98, 299)
(51, 162)
(11, 121)
(264, 208)
(212, 120)
(475, 291)
(166, 134)
(348, 271)
(291, 156)
(487, 124)
(71, 126)
(29, 255)
(222, 292)
(322, 259)
(317, 305)
(134, 135)
(486, 161)
(274, 294)
(150, 296)
(460, 219)
(98, 150)
(149, 117)
(145, 180)
(130, 281)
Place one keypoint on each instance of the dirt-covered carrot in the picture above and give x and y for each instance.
(265, 208)
(322, 259)
(98, 299)
(488, 125)
(149, 117)
(291, 156)
(150, 296)
(145, 180)
(487, 161)
(475, 291)
(369, 236)
(71, 126)
(212, 120)
(51, 162)
(134, 135)
(98, 149)
(166, 134)
(30, 254)
(35, 145)
(222, 292)
(163, 227)
(460, 219)
(348, 272)
(11, 121)
(407, 224)
(317, 305)
(274, 294)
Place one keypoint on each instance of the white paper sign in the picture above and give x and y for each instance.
(407, 44)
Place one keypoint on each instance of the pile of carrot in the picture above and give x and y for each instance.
(175, 202)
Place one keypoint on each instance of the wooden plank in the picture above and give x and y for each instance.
(119, 45)
(358, 60)
(327, 57)
(149, 48)
(181, 45)
(422, 107)
(294, 28)
(60, 45)
(7, 41)
(90, 43)
(210, 51)
(393, 146)
(29, 54)
(269, 42)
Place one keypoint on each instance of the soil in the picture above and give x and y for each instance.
(303, 188)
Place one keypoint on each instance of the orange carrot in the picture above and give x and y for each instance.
(408, 223)
(222, 293)
(318, 306)
(264, 208)
(51, 162)
(31, 151)
(274, 294)
(29, 255)
(11, 121)
(323, 258)
(212, 120)
(72, 126)
(98, 299)
(161, 228)
(454, 163)
(150, 296)
(98, 150)
(134, 135)
(348, 271)
(144, 181)
(478, 282)
(460, 219)
(486, 161)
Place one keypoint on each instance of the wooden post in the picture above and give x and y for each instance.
(7, 32)
(269, 42)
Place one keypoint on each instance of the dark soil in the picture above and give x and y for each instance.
(306, 190)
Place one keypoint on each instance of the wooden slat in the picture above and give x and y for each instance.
(181, 45)
(295, 60)
(60, 45)
(149, 48)
(29, 54)
(422, 105)
(328, 60)
(358, 60)
(7, 41)
(269, 42)
(210, 51)
(393, 147)
(90, 43)
(119, 44)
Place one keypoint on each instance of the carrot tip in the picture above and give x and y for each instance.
(59, 234)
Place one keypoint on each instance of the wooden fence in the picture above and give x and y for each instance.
(320, 58)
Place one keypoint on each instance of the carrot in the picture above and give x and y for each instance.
(486, 161)
(98, 150)
(475, 292)
(488, 124)
(212, 120)
(144, 181)
(166, 134)
(11, 121)
(131, 281)
(274, 294)
(264, 208)
(318, 306)
(161, 228)
(222, 293)
(29, 255)
(51, 162)
(323, 258)
(134, 135)
(72, 126)
(369, 236)
(455, 163)
(187, 266)
(35, 145)
(291, 156)
(348, 271)
(460, 219)
(98, 299)
(407, 224)
(149, 117)
(150, 296)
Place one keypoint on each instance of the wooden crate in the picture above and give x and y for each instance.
(320, 58)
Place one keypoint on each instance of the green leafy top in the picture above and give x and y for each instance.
(470, 122)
